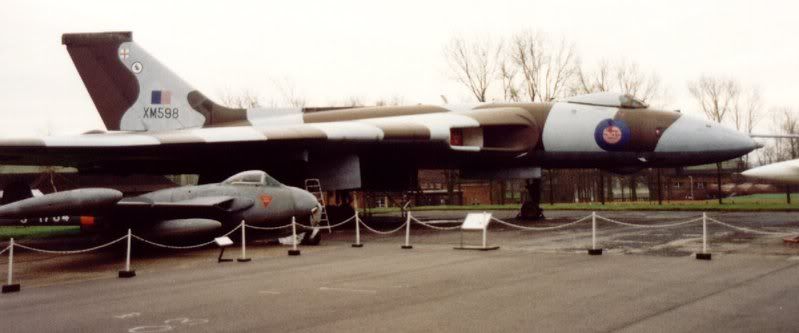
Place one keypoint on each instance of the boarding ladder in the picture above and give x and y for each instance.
(313, 186)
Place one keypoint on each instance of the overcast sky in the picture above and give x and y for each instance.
(333, 50)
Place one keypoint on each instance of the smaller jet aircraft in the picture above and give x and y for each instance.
(784, 172)
(250, 196)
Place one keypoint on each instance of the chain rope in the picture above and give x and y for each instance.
(70, 251)
(428, 224)
(187, 247)
(382, 232)
(268, 228)
(326, 227)
(667, 225)
(744, 229)
(539, 228)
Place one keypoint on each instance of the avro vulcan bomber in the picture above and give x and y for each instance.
(158, 123)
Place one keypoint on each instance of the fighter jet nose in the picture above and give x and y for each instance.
(784, 172)
(714, 141)
(305, 203)
(751, 173)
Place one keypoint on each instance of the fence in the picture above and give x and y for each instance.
(410, 219)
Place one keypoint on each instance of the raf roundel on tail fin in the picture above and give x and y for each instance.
(132, 90)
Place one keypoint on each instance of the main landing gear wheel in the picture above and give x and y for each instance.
(312, 238)
(531, 211)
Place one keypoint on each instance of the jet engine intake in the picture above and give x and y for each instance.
(499, 138)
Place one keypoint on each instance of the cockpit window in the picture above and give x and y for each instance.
(608, 99)
(253, 178)
(269, 181)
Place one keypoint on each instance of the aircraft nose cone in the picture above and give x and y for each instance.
(305, 202)
(784, 172)
(693, 135)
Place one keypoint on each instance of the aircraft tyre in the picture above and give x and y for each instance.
(312, 238)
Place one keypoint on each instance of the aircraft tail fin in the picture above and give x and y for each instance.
(133, 91)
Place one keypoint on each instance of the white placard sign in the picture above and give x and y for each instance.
(476, 221)
(223, 241)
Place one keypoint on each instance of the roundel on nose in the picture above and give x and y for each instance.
(612, 135)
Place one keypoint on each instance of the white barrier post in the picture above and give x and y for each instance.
(408, 232)
(294, 251)
(11, 287)
(127, 273)
(357, 229)
(593, 250)
(243, 244)
(485, 235)
(704, 255)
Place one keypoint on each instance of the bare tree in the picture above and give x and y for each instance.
(788, 122)
(590, 82)
(510, 87)
(473, 64)
(747, 112)
(624, 77)
(632, 81)
(716, 96)
(768, 154)
(393, 101)
(353, 101)
(245, 99)
(288, 91)
(546, 68)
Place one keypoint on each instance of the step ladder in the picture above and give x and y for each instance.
(313, 186)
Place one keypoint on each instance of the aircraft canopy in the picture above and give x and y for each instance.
(608, 99)
(252, 177)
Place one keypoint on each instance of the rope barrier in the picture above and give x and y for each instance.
(668, 225)
(70, 251)
(381, 232)
(173, 247)
(428, 225)
(187, 247)
(744, 229)
(438, 221)
(539, 228)
(326, 227)
(268, 228)
(301, 225)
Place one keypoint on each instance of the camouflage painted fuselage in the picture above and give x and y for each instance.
(161, 124)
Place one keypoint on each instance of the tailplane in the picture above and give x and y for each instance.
(133, 91)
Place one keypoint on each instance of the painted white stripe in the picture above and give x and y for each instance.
(269, 292)
(349, 130)
(100, 140)
(228, 134)
(461, 107)
(274, 117)
(362, 291)
(439, 124)
(570, 127)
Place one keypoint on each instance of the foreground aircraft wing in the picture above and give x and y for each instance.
(102, 201)
(190, 207)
